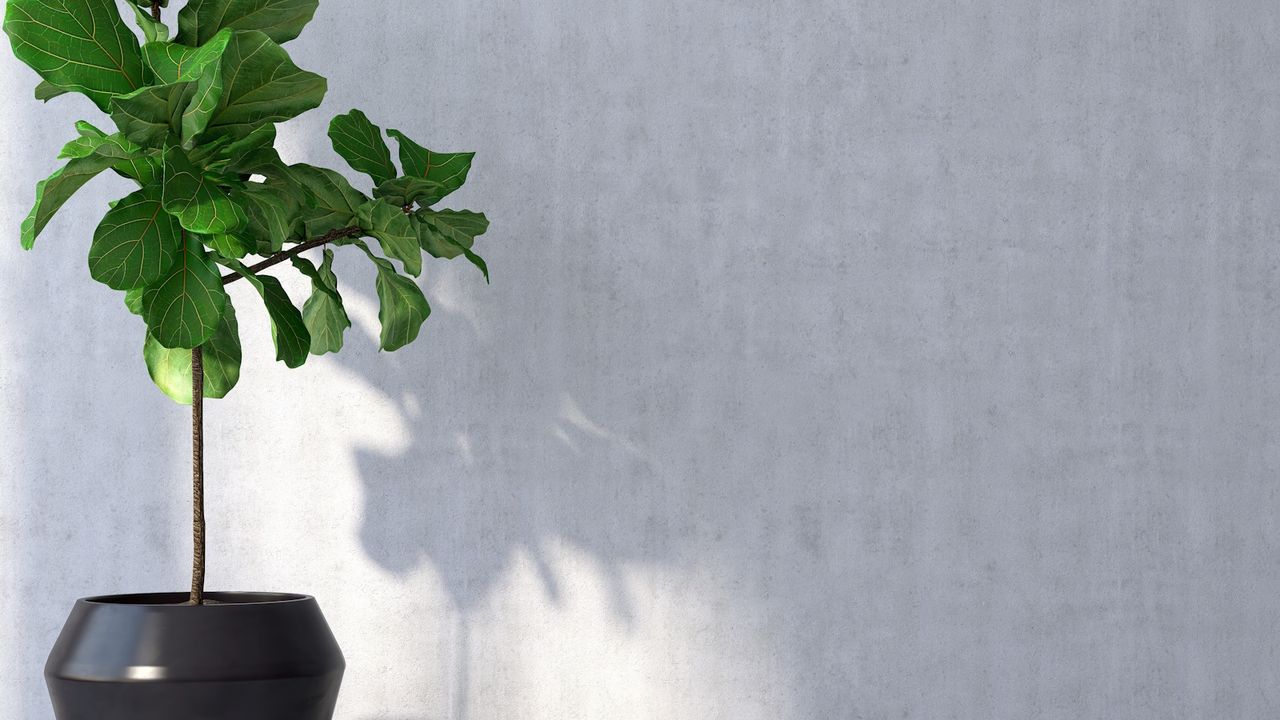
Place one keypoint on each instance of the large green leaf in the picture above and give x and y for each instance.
(174, 63)
(197, 200)
(183, 309)
(360, 143)
(136, 243)
(334, 204)
(170, 368)
(261, 85)
(402, 306)
(288, 329)
(394, 231)
(324, 313)
(80, 45)
(281, 20)
(448, 169)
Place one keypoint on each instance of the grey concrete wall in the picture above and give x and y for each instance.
(843, 360)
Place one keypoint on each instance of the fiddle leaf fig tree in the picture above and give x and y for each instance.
(194, 114)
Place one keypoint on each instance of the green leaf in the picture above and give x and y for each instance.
(47, 91)
(80, 45)
(184, 308)
(394, 231)
(232, 247)
(360, 143)
(170, 369)
(281, 20)
(409, 190)
(243, 149)
(446, 233)
(333, 203)
(273, 216)
(136, 243)
(448, 169)
(151, 115)
(152, 31)
(201, 100)
(174, 63)
(53, 192)
(324, 313)
(201, 206)
(402, 306)
(288, 329)
(133, 300)
(262, 85)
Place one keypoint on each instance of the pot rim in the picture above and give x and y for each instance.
(179, 599)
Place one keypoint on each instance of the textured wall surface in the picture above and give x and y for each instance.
(844, 359)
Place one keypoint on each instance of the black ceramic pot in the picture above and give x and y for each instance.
(244, 656)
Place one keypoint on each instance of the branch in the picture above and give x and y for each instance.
(283, 255)
(155, 10)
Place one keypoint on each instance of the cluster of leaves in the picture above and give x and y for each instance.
(195, 121)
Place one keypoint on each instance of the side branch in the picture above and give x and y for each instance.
(283, 255)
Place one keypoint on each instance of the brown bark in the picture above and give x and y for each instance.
(197, 476)
(294, 251)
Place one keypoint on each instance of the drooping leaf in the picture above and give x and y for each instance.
(151, 115)
(170, 369)
(288, 329)
(360, 143)
(136, 243)
(333, 202)
(80, 45)
(448, 169)
(47, 91)
(394, 231)
(446, 233)
(184, 308)
(449, 232)
(324, 313)
(53, 192)
(152, 31)
(281, 20)
(261, 85)
(197, 200)
(402, 306)
(174, 63)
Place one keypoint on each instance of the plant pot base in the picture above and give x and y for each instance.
(150, 657)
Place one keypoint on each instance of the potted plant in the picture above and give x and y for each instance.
(195, 121)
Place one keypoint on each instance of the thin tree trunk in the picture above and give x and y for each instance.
(197, 476)
(155, 10)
